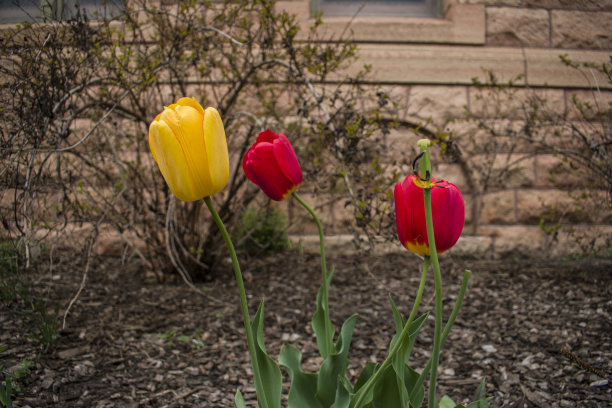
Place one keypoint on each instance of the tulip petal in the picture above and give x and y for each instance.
(190, 102)
(186, 123)
(169, 155)
(401, 218)
(266, 136)
(287, 159)
(265, 172)
(216, 149)
(449, 216)
(417, 227)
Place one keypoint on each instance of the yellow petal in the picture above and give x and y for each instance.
(170, 158)
(186, 123)
(216, 149)
(191, 102)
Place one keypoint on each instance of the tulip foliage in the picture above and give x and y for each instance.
(181, 139)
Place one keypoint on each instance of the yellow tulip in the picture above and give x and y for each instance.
(188, 143)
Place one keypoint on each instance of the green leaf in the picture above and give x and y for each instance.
(343, 394)
(481, 390)
(386, 392)
(397, 317)
(320, 320)
(303, 385)
(335, 364)
(239, 401)
(417, 395)
(483, 403)
(447, 402)
(268, 379)
(367, 372)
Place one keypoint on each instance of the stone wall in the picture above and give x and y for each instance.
(429, 66)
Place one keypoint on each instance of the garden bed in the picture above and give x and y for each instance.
(541, 333)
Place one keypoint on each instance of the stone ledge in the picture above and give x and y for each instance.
(457, 65)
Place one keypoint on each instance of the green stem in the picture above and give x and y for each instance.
(447, 327)
(433, 403)
(329, 335)
(243, 301)
(363, 391)
(417, 300)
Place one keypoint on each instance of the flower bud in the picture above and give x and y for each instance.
(271, 163)
(448, 210)
(189, 145)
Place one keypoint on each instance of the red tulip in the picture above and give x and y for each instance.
(271, 163)
(448, 211)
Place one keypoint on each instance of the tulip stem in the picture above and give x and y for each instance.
(447, 328)
(327, 344)
(363, 391)
(243, 300)
(425, 168)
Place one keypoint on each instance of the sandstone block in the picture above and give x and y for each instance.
(503, 171)
(570, 4)
(519, 242)
(551, 171)
(517, 27)
(581, 240)
(581, 29)
(544, 67)
(594, 102)
(471, 246)
(531, 205)
(438, 103)
(453, 173)
(497, 208)
(513, 103)
(497, 2)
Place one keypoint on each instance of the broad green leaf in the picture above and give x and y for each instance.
(417, 395)
(399, 366)
(320, 319)
(239, 401)
(343, 394)
(335, 364)
(268, 378)
(365, 374)
(303, 385)
(447, 402)
(386, 393)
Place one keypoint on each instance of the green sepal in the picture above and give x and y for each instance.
(335, 364)
(268, 379)
(321, 321)
(239, 401)
(303, 385)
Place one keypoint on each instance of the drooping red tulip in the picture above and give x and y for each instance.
(271, 163)
(448, 209)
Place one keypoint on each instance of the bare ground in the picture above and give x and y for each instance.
(540, 332)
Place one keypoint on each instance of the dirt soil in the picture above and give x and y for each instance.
(541, 333)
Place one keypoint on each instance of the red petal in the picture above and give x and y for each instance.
(263, 170)
(287, 160)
